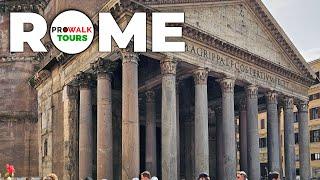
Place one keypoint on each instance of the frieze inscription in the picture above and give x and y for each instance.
(237, 67)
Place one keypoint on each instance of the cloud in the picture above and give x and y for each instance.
(311, 54)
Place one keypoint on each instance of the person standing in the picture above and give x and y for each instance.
(274, 176)
(241, 175)
(203, 176)
(145, 175)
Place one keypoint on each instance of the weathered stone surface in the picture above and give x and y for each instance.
(238, 25)
(229, 164)
(104, 127)
(130, 116)
(304, 141)
(243, 124)
(70, 133)
(201, 122)
(151, 139)
(273, 132)
(168, 120)
(289, 143)
(85, 131)
(18, 117)
(252, 132)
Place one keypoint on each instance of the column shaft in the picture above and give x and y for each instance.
(151, 140)
(273, 132)
(229, 164)
(104, 127)
(252, 133)
(178, 129)
(212, 143)
(304, 141)
(169, 120)
(201, 122)
(130, 116)
(219, 142)
(289, 144)
(243, 137)
(189, 148)
(85, 129)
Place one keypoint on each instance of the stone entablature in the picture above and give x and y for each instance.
(223, 63)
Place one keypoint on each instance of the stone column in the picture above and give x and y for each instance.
(201, 122)
(304, 141)
(273, 132)
(178, 127)
(219, 145)
(229, 164)
(130, 116)
(151, 140)
(243, 136)
(212, 142)
(289, 144)
(168, 119)
(70, 130)
(104, 68)
(85, 127)
(252, 133)
(189, 147)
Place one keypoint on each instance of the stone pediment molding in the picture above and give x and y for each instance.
(306, 75)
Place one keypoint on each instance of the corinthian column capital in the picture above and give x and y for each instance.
(252, 91)
(84, 80)
(243, 104)
(272, 97)
(168, 66)
(103, 66)
(227, 85)
(303, 106)
(288, 102)
(200, 76)
(150, 95)
(128, 56)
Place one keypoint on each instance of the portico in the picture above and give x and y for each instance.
(134, 117)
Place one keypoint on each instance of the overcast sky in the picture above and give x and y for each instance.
(300, 19)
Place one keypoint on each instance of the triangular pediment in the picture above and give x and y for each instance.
(234, 22)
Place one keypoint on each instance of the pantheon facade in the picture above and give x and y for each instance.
(114, 115)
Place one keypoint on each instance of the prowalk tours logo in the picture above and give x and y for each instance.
(72, 32)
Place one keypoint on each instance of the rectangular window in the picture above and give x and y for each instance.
(314, 113)
(315, 135)
(314, 96)
(296, 138)
(1, 19)
(262, 124)
(315, 156)
(263, 142)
